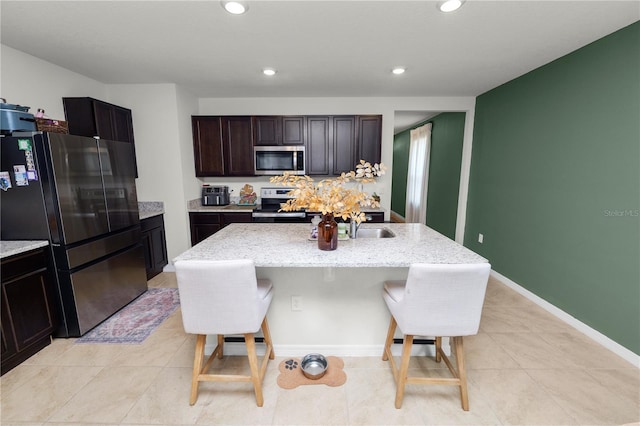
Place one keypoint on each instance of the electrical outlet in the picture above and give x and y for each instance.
(480, 238)
(296, 303)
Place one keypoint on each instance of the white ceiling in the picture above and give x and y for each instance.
(320, 48)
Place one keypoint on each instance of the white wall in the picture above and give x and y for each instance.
(29, 81)
(160, 116)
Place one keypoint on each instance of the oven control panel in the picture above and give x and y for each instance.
(277, 192)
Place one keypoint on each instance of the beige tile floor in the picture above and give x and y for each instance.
(524, 367)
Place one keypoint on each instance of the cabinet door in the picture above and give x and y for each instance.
(80, 116)
(122, 124)
(207, 146)
(123, 128)
(28, 310)
(293, 130)
(159, 244)
(238, 217)
(104, 120)
(28, 301)
(237, 137)
(203, 225)
(154, 244)
(370, 138)
(267, 130)
(147, 247)
(7, 340)
(317, 148)
(344, 144)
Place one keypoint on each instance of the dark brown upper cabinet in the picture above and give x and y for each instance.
(223, 145)
(318, 147)
(237, 139)
(92, 117)
(207, 145)
(369, 135)
(278, 130)
(344, 144)
(335, 144)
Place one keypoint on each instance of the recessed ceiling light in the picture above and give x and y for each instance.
(269, 71)
(398, 70)
(450, 5)
(235, 7)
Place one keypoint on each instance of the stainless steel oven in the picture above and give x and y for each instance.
(270, 200)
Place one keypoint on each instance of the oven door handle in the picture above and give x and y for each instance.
(275, 214)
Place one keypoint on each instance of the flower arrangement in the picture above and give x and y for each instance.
(332, 195)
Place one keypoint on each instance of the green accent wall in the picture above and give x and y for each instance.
(444, 171)
(401, 143)
(555, 183)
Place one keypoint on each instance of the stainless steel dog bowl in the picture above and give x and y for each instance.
(314, 366)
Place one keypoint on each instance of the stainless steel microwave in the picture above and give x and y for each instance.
(275, 160)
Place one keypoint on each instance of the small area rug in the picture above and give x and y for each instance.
(136, 321)
(291, 375)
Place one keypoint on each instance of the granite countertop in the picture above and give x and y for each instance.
(287, 245)
(149, 209)
(11, 248)
(231, 208)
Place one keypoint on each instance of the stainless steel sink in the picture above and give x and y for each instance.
(375, 233)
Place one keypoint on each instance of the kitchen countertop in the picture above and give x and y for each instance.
(11, 248)
(287, 245)
(231, 208)
(149, 209)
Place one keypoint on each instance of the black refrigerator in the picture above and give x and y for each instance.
(79, 193)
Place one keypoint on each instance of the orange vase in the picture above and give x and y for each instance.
(328, 233)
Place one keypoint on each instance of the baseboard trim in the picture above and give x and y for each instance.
(605, 341)
(395, 217)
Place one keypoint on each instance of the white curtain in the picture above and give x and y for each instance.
(418, 175)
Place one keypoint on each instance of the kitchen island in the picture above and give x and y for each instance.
(329, 301)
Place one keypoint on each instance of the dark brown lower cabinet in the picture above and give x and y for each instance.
(27, 307)
(204, 225)
(154, 243)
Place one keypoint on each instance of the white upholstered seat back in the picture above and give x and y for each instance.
(439, 299)
(222, 297)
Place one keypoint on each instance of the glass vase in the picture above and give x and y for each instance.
(328, 233)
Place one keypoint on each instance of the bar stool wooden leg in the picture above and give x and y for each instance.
(389, 340)
(267, 338)
(197, 367)
(220, 345)
(253, 364)
(404, 368)
(462, 372)
(438, 349)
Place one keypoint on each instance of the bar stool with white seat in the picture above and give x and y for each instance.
(224, 297)
(436, 300)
